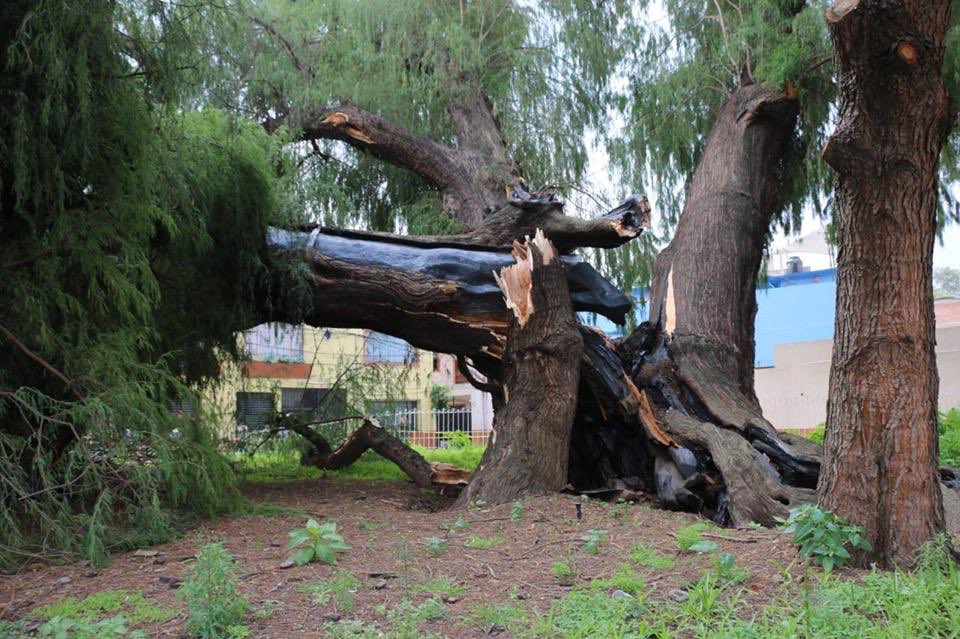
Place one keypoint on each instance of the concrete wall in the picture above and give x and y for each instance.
(793, 392)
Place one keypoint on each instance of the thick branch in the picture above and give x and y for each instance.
(522, 218)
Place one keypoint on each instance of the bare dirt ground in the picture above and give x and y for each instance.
(387, 524)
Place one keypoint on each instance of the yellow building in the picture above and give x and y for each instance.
(332, 373)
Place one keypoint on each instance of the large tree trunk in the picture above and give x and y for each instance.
(704, 282)
(880, 469)
(530, 446)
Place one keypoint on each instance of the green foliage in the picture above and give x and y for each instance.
(321, 542)
(949, 424)
(485, 543)
(132, 605)
(516, 511)
(728, 572)
(562, 570)
(406, 618)
(458, 439)
(436, 546)
(107, 191)
(690, 538)
(442, 586)
(647, 557)
(691, 59)
(625, 579)
(342, 586)
(823, 536)
(592, 541)
(411, 61)
(215, 609)
(491, 617)
(112, 628)
(818, 433)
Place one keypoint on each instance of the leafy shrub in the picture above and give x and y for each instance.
(215, 609)
(458, 439)
(323, 542)
(823, 536)
(728, 571)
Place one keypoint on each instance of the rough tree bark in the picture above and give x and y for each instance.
(704, 281)
(529, 450)
(880, 469)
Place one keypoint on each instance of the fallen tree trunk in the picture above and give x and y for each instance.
(530, 447)
(372, 436)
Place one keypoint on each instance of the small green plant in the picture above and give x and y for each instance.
(818, 433)
(458, 525)
(492, 618)
(562, 570)
(343, 586)
(647, 557)
(476, 504)
(823, 536)
(690, 538)
(368, 525)
(728, 571)
(436, 545)
(484, 543)
(516, 511)
(592, 541)
(620, 509)
(214, 607)
(323, 542)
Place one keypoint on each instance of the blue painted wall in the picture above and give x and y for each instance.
(797, 307)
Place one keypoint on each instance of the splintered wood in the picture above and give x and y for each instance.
(515, 281)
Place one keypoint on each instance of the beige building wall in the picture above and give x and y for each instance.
(793, 392)
(326, 352)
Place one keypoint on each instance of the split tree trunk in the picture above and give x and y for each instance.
(528, 452)
(880, 469)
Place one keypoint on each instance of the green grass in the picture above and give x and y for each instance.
(646, 557)
(484, 543)
(130, 603)
(342, 587)
(880, 605)
(274, 467)
(442, 586)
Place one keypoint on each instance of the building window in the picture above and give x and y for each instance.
(380, 348)
(320, 402)
(396, 415)
(254, 410)
(274, 342)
